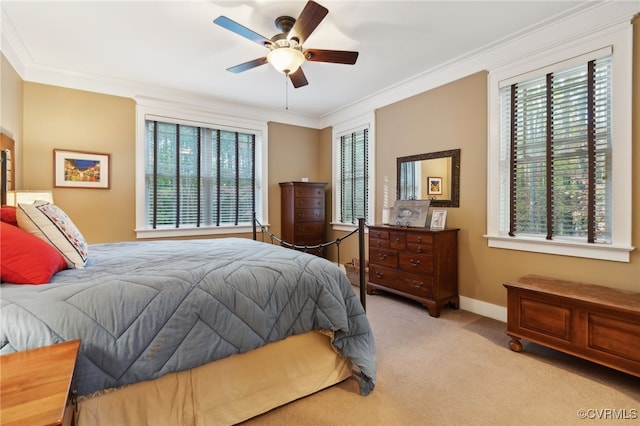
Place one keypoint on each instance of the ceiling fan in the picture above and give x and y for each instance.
(286, 53)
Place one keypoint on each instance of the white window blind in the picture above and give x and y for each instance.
(198, 176)
(354, 172)
(555, 154)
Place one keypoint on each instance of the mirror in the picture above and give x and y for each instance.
(433, 176)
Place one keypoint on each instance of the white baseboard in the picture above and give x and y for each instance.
(476, 306)
(483, 308)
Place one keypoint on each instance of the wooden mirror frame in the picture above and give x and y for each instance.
(454, 154)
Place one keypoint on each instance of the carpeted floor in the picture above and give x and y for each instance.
(458, 370)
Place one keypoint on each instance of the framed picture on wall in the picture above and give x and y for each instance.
(438, 219)
(79, 169)
(434, 185)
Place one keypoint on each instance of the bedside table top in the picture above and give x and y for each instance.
(34, 384)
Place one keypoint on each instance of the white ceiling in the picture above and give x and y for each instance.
(173, 45)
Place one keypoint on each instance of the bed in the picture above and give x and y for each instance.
(153, 315)
(189, 332)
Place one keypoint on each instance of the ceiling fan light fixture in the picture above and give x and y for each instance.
(286, 53)
(286, 60)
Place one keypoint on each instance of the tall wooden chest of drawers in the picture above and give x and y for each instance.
(303, 218)
(417, 263)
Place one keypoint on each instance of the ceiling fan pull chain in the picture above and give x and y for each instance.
(286, 91)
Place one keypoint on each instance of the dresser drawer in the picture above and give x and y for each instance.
(397, 240)
(308, 229)
(309, 241)
(420, 248)
(375, 242)
(309, 215)
(307, 191)
(417, 263)
(320, 251)
(419, 243)
(384, 276)
(419, 285)
(309, 203)
(420, 239)
(380, 235)
(383, 257)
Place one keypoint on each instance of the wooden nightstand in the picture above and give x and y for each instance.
(35, 384)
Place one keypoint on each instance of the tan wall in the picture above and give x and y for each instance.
(448, 117)
(293, 153)
(56, 117)
(455, 116)
(59, 118)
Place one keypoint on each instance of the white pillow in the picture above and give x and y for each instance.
(49, 223)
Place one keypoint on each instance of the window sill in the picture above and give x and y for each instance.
(193, 232)
(562, 248)
(348, 227)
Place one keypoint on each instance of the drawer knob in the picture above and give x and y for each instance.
(414, 263)
(382, 256)
(417, 284)
(419, 239)
(397, 240)
(419, 249)
(379, 274)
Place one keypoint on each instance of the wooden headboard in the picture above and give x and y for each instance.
(8, 175)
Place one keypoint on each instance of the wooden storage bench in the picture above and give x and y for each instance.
(597, 323)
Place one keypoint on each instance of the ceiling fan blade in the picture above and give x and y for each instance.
(298, 79)
(239, 29)
(334, 56)
(309, 19)
(248, 65)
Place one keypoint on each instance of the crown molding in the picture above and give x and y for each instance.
(555, 32)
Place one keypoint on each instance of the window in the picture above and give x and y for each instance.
(198, 178)
(555, 133)
(559, 159)
(353, 183)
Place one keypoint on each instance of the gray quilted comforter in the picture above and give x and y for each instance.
(144, 309)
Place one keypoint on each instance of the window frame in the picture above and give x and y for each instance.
(354, 125)
(620, 41)
(193, 117)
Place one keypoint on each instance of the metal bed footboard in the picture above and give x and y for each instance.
(359, 231)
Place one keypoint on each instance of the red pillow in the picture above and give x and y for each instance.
(8, 215)
(25, 258)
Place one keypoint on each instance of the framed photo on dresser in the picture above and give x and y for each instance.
(438, 219)
(410, 213)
